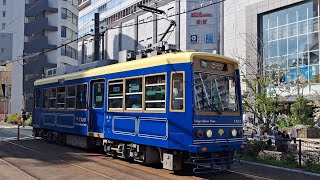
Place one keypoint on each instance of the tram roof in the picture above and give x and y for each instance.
(170, 58)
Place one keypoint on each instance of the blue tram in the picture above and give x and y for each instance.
(173, 109)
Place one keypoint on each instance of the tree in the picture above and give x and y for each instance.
(300, 111)
(261, 96)
(266, 90)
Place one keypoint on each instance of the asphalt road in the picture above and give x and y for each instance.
(31, 158)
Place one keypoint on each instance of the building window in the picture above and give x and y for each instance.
(4, 2)
(63, 13)
(290, 43)
(3, 25)
(2, 50)
(3, 13)
(63, 31)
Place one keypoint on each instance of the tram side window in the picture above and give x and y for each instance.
(61, 94)
(45, 100)
(155, 92)
(115, 96)
(134, 94)
(52, 97)
(177, 91)
(71, 97)
(81, 96)
(37, 97)
(98, 98)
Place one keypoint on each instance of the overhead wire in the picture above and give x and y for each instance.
(115, 27)
(20, 16)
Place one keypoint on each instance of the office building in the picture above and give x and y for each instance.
(131, 28)
(284, 33)
(49, 24)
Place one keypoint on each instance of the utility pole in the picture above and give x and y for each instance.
(102, 38)
(96, 37)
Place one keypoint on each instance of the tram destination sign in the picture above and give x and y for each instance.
(213, 65)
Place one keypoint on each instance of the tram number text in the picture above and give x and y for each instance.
(237, 121)
(81, 121)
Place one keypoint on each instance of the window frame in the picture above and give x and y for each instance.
(69, 97)
(55, 98)
(96, 81)
(45, 98)
(155, 110)
(142, 98)
(123, 96)
(64, 104)
(37, 98)
(87, 94)
(184, 91)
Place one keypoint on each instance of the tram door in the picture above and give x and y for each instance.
(96, 106)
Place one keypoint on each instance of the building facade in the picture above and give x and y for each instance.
(11, 49)
(130, 28)
(48, 24)
(283, 34)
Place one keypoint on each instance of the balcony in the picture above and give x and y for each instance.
(83, 4)
(38, 26)
(38, 7)
(39, 44)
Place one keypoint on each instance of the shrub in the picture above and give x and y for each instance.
(29, 121)
(254, 148)
(14, 119)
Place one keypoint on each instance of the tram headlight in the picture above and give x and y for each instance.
(209, 133)
(234, 132)
(199, 133)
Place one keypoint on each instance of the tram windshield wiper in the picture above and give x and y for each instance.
(212, 106)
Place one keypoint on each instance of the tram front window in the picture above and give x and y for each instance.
(215, 92)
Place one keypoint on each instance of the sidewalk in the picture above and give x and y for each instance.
(4, 125)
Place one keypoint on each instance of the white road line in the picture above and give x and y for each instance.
(15, 167)
(250, 175)
(72, 164)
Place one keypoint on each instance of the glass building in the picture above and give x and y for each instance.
(289, 40)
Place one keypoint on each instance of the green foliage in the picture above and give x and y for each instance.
(253, 149)
(300, 111)
(284, 121)
(29, 121)
(258, 100)
(14, 119)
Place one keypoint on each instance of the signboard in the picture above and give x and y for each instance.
(200, 14)
(194, 38)
(208, 38)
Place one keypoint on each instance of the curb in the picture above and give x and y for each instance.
(282, 168)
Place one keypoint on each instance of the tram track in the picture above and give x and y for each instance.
(126, 170)
(18, 169)
(105, 164)
(61, 160)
